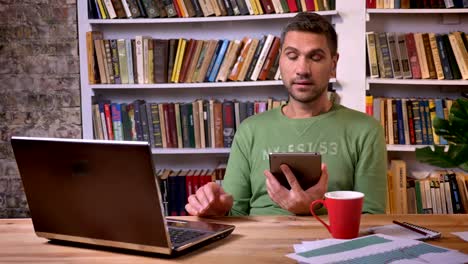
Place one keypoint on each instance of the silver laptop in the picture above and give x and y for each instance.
(103, 193)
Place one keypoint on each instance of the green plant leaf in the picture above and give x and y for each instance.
(455, 131)
(436, 157)
(458, 153)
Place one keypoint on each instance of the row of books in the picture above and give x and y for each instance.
(177, 185)
(442, 192)
(144, 60)
(417, 55)
(405, 4)
(197, 124)
(111, 9)
(408, 121)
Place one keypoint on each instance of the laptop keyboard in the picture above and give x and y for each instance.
(179, 236)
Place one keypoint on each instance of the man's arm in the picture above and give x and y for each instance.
(237, 178)
(234, 197)
(370, 176)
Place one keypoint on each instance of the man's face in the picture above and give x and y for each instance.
(306, 65)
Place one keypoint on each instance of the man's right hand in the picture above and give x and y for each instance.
(209, 200)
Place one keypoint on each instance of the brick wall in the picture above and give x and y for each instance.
(39, 83)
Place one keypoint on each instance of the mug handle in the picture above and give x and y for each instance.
(312, 205)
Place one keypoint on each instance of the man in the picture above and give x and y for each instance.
(352, 144)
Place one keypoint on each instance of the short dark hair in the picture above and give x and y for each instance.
(313, 23)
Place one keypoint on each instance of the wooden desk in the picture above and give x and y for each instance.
(255, 240)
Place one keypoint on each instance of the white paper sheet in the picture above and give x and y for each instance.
(462, 235)
(374, 249)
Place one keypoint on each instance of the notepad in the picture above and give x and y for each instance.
(403, 232)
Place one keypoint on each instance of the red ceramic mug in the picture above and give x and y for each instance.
(344, 213)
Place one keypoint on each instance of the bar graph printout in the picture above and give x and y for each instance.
(376, 248)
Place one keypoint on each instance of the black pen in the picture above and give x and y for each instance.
(410, 227)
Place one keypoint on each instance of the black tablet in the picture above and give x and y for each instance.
(306, 167)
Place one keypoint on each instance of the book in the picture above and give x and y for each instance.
(248, 59)
(233, 75)
(196, 123)
(406, 230)
(228, 122)
(110, 8)
(429, 57)
(460, 52)
(253, 61)
(262, 57)
(133, 7)
(116, 121)
(421, 52)
(156, 125)
(179, 60)
(383, 56)
(394, 59)
(139, 59)
(443, 58)
(270, 59)
(178, 125)
(187, 59)
(413, 56)
(403, 56)
(151, 9)
(123, 66)
(208, 57)
(149, 123)
(201, 122)
(372, 55)
(436, 56)
(451, 57)
(93, 67)
(228, 62)
(219, 60)
(108, 61)
(161, 50)
(398, 170)
(194, 61)
(126, 122)
(115, 61)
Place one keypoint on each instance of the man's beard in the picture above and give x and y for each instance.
(310, 98)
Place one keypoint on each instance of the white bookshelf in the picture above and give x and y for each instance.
(348, 86)
(415, 20)
(418, 11)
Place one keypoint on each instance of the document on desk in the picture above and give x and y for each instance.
(376, 248)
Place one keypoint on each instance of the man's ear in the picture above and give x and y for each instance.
(334, 64)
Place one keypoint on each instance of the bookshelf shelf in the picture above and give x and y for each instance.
(186, 85)
(419, 11)
(404, 147)
(227, 150)
(202, 19)
(189, 85)
(408, 148)
(415, 82)
(202, 151)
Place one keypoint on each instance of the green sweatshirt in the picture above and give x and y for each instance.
(352, 145)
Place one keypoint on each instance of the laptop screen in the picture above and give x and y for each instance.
(92, 189)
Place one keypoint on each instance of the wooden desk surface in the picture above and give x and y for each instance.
(265, 239)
